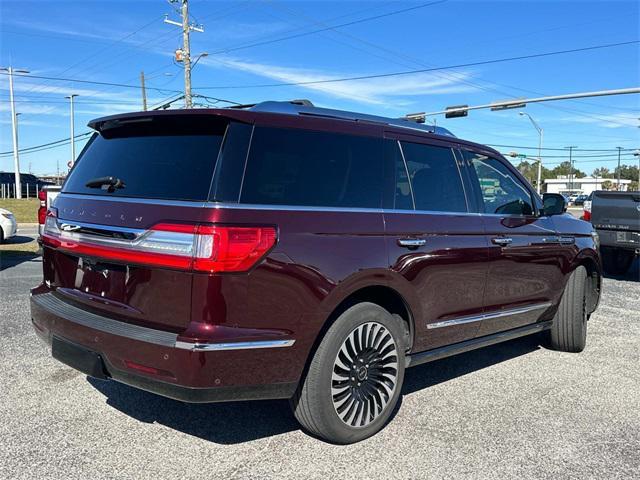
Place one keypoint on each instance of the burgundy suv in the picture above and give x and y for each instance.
(286, 251)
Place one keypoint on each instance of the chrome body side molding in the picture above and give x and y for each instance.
(491, 315)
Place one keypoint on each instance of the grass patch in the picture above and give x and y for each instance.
(24, 209)
(10, 249)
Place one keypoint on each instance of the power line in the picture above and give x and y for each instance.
(93, 55)
(425, 70)
(304, 34)
(92, 82)
(393, 55)
(121, 85)
(561, 149)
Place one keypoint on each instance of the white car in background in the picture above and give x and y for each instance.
(8, 225)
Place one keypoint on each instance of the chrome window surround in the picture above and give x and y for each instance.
(489, 316)
(247, 206)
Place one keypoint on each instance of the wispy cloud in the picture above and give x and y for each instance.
(613, 120)
(376, 91)
(32, 109)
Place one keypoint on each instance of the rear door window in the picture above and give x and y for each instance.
(309, 168)
(435, 179)
(161, 158)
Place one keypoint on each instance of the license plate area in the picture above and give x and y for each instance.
(84, 360)
(628, 237)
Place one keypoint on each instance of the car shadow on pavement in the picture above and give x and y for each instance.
(225, 423)
(18, 240)
(632, 275)
(11, 258)
(238, 422)
(433, 373)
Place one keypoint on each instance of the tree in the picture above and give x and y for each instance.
(627, 172)
(529, 170)
(602, 172)
(565, 169)
(607, 185)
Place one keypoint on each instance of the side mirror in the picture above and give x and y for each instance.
(553, 204)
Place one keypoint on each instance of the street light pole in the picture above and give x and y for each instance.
(72, 125)
(571, 168)
(14, 130)
(540, 134)
(144, 91)
(619, 149)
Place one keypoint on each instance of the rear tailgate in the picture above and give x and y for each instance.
(616, 216)
(125, 252)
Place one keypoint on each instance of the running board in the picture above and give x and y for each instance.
(474, 343)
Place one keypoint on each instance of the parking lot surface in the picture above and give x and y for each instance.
(511, 410)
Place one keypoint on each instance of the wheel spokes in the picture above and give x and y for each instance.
(365, 374)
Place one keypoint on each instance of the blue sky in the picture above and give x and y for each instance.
(112, 41)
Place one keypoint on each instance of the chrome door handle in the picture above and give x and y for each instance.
(502, 241)
(411, 242)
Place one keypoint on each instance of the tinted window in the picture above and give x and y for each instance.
(228, 174)
(435, 179)
(163, 159)
(300, 167)
(502, 192)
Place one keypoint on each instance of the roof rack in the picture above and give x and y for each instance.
(305, 107)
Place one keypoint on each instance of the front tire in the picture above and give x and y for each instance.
(569, 330)
(355, 377)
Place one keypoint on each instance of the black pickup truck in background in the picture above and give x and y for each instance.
(616, 218)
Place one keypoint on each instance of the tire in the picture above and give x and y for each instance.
(355, 376)
(617, 262)
(569, 330)
(1, 235)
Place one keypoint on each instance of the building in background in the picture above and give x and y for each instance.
(585, 185)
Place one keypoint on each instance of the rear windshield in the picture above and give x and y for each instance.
(164, 158)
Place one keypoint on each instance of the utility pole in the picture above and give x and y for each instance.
(72, 125)
(619, 149)
(185, 54)
(144, 92)
(14, 129)
(571, 168)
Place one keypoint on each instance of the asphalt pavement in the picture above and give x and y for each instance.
(514, 410)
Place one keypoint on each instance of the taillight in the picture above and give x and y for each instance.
(586, 215)
(42, 210)
(202, 248)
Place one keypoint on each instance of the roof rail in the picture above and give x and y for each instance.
(305, 107)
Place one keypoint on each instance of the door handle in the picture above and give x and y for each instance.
(502, 241)
(411, 242)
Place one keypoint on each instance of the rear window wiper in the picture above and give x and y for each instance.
(105, 183)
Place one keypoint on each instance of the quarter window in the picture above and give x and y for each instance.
(307, 168)
(435, 179)
(502, 192)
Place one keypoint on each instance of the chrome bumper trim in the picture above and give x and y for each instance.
(209, 347)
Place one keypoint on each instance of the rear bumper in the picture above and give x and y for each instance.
(155, 361)
(619, 239)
